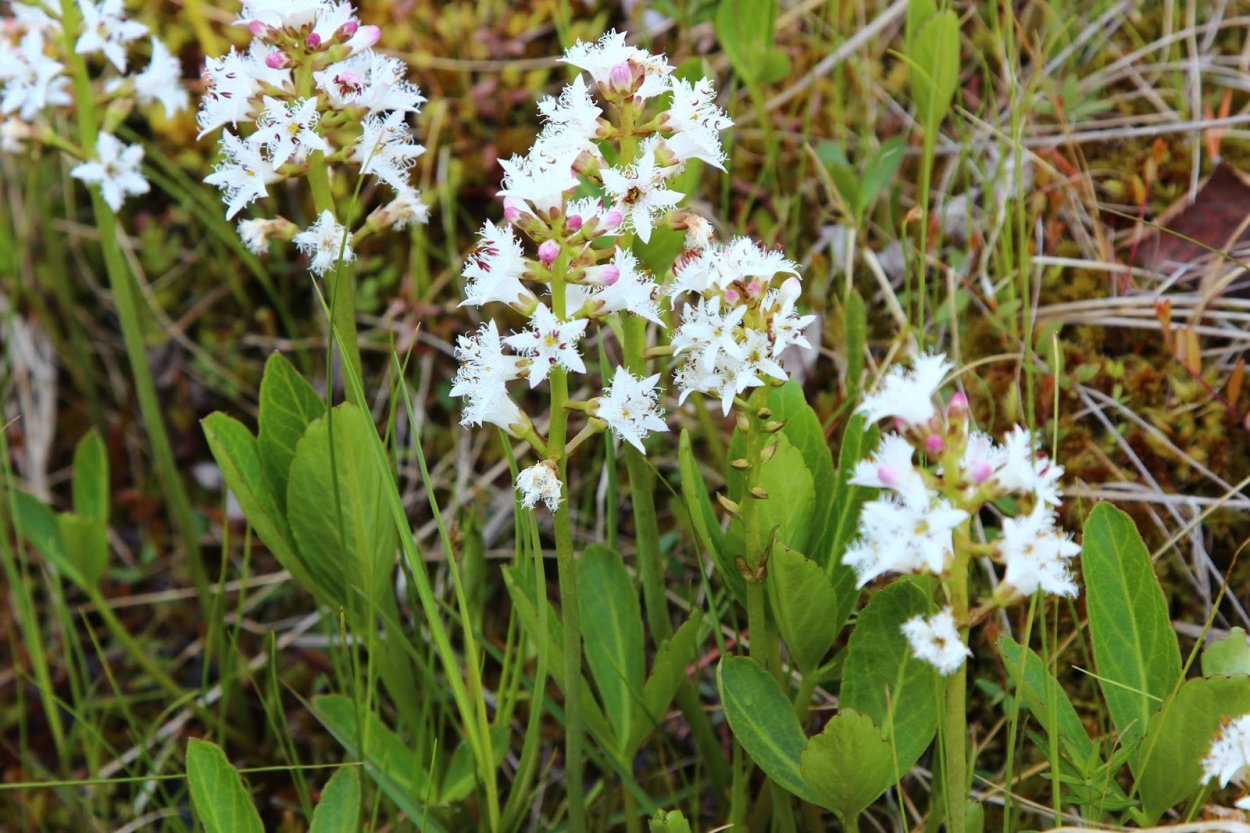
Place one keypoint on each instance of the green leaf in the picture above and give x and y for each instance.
(521, 590)
(669, 821)
(85, 544)
(339, 808)
(774, 67)
(36, 521)
(235, 450)
(803, 429)
(1135, 649)
(933, 64)
(288, 405)
(802, 597)
(848, 765)
(1039, 689)
(91, 478)
(1227, 657)
(460, 776)
(217, 792)
(1180, 734)
(703, 517)
(745, 31)
(668, 671)
(881, 169)
(352, 543)
(763, 721)
(391, 763)
(858, 441)
(614, 644)
(855, 320)
(882, 680)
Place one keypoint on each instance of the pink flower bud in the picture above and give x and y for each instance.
(901, 425)
(981, 471)
(349, 28)
(621, 77)
(313, 41)
(257, 28)
(275, 60)
(934, 445)
(613, 219)
(732, 295)
(548, 252)
(609, 275)
(888, 475)
(511, 209)
(754, 287)
(368, 35)
(958, 404)
(791, 289)
(574, 222)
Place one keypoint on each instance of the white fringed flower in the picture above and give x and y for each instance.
(482, 379)
(1036, 553)
(936, 640)
(243, 173)
(326, 243)
(115, 169)
(1228, 759)
(697, 122)
(639, 191)
(30, 80)
(288, 131)
(896, 536)
(106, 29)
(907, 394)
(549, 342)
(1025, 471)
(636, 70)
(631, 409)
(494, 269)
(539, 484)
(891, 467)
(386, 150)
(162, 81)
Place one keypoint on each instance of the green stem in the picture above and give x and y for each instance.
(566, 565)
(764, 647)
(956, 718)
(340, 286)
(125, 297)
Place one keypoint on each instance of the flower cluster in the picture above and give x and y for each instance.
(936, 472)
(1228, 759)
(34, 79)
(308, 94)
(599, 175)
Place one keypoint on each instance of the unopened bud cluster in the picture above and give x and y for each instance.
(310, 95)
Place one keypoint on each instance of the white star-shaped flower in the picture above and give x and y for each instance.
(903, 536)
(907, 395)
(631, 409)
(386, 150)
(1228, 759)
(32, 81)
(326, 243)
(627, 288)
(696, 122)
(106, 29)
(936, 640)
(162, 81)
(891, 467)
(115, 169)
(289, 131)
(482, 379)
(242, 173)
(1036, 553)
(610, 52)
(638, 191)
(494, 269)
(549, 342)
(1025, 471)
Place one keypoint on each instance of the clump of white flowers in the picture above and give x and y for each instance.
(600, 174)
(34, 80)
(936, 472)
(1228, 759)
(936, 640)
(308, 97)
